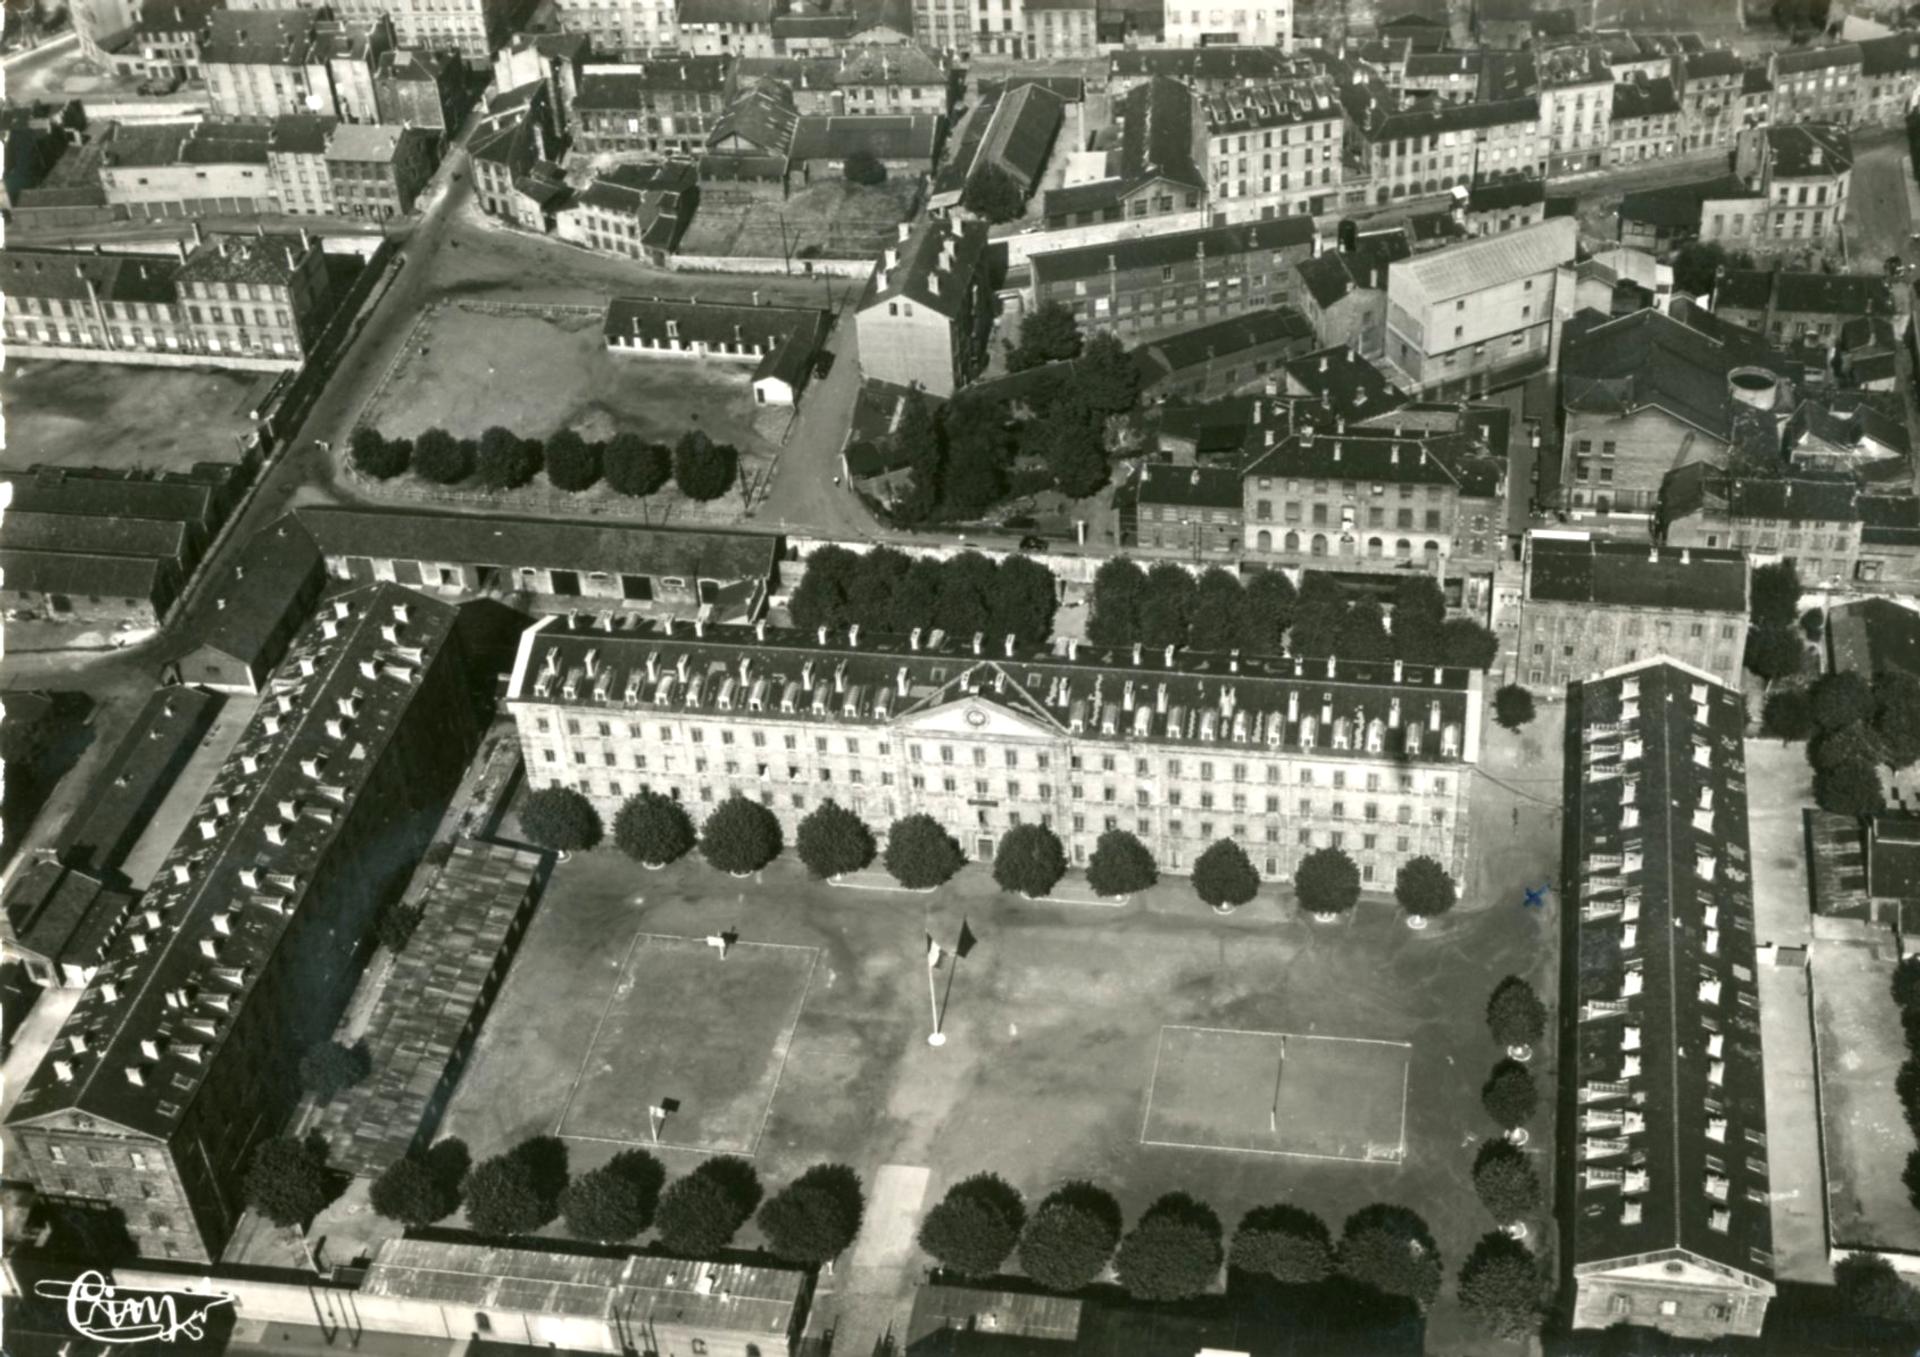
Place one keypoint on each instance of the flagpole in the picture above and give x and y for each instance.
(936, 1037)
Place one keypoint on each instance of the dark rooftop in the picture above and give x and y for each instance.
(1619, 574)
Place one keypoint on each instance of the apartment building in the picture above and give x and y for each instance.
(1576, 92)
(1647, 122)
(378, 170)
(420, 89)
(1061, 30)
(639, 211)
(1667, 1215)
(1145, 286)
(1478, 313)
(1790, 307)
(944, 25)
(1284, 756)
(1889, 79)
(999, 28)
(297, 162)
(168, 38)
(1450, 77)
(1816, 84)
(1593, 603)
(625, 29)
(1805, 171)
(476, 29)
(1238, 23)
(1274, 150)
(1709, 88)
(1206, 70)
(1154, 169)
(928, 311)
(870, 80)
(726, 27)
(265, 63)
(513, 177)
(1421, 151)
(182, 1053)
(1343, 295)
(667, 106)
(256, 296)
(1811, 518)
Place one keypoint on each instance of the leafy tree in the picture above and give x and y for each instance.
(1465, 644)
(815, 1217)
(376, 456)
(1285, 1243)
(870, 586)
(1850, 788)
(289, 1182)
(1814, 623)
(995, 195)
(1266, 611)
(615, 1201)
(395, 925)
(561, 819)
(820, 599)
(1506, 1182)
(1515, 1015)
(834, 841)
(1166, 606)
(1906, 983)
(1326, 882)
(519, 1191)
(1318, 614)
(1423, 888)
(1029, 860)
(979, 445)
(441, 458)
(507, 461)
(1843, 745)
(1113, 616)
(975, 1226)
(1910, 1176)
(1107, 377)
(1120, 865)
(1419, 613)
(1217, 625)
(703, 469)
(1363, 632)
(917, 595)
(1774, 598)
(1871, 1289)
(331, 1067)
(920, 854)
(1841, 699)
(1776, 652)
(1695, 264)
(1513, 706)
(653, 828)
(1023, 600)
(572, 462)
(1172, 1252)
(864, 167)
(411, 1192)
(1068, 438)
(1223, 877)
(1071, 1236)
(1390, 1249)
(699, 1214)
(1510, 1095)
(740, 836)
(1896, 716)
(633, 466)
(1788, 714)
(919, 435)
(1047, 335)
(1500, 1286)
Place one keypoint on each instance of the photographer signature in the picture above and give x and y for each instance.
(106, 1313)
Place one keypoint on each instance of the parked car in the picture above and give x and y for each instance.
(1032, 543)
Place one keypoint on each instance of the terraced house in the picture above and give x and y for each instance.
(1709, 86)
(1816, 84)
(1418, 152)
(1281, 755)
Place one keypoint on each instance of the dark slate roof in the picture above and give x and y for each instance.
(507, 543)
(63, 274)
(1800, 60)
(1020, 133)
(1870, 635)
(1160, 358)
(1659, 855)
(164, 539)
(227, 143)
(1809, 150)
(760, 120)
(1893, 855)
(1444, 65)
(1716, 64)
(1569, 66)
(1839, 294)
(1890, 520)
(1608, 573)
(1173, 247)
(1380, 123)
(256, 595)
(926, 254)
(260, 37)
(130, 788)
(239, 258)
(64, 914)
(1344, 382)
(176, 16)
(1650, 359)
(1384, 456)
(1804, 497)
(1501, 194)
(746, 13)
(914, 136)
(1895, 54)
(52, 490)
(1247, 65)
(626, 87)
(792, 336)
(87, 575)
(1189, 487)
(1333, 274)
(1678, 205)
(1645, 99)
(1756, 80)
(1283, 104)
(301, 134)
(1070, 88)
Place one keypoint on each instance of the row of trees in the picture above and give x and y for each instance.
(1776, 637)
(885, 590)
(1906, 997)
(742, 836)
(1851, 728)
(1167, 605)
(502, 460)
(1177, 1247)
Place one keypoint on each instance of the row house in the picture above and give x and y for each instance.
(666, 106)
(1274, 150)
(1505, 205)
(944, 25)
(1417, 152)
(265, 63)
(1576, 90)
(1145, 286)
(1343, 294)
(1236, 23)
(927, 313)
(999, 29)
(476, 29)
(628, 29)
(873, 80)
(1756, 96)
(297, 159)
(1153, 170)
(60, 299)
(1062, 30)
(1666, 1210)
(168, 40)
(1281, 755)
(1192, 510)
(1647, 121)
(1889, 79)
(730, 28)
(1591, 603)
(1810, 518)
(1816, 84)
(1709, 88)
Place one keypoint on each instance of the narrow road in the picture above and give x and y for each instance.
(808, 492)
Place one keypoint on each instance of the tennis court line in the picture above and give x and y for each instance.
(1300, 1036)
(1397, 1158)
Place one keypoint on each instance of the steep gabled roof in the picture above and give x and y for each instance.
(1462, 270)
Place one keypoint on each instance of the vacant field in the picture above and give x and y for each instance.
(834, 220)
(114, 415)
(538, 373)
(1285, 1093)
(701, 1036)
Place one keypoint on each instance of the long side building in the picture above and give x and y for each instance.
(1664, 1220)
(1282, 755)
(182, 1054)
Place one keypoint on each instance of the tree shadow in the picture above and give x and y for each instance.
(449, 1161)
(1091, 1198)
(842, 1186)
(737, 1179)
(647, 1174)
(1185, 1209)
(995, 1193)
(545, 1160)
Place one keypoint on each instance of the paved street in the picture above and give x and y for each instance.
(1878, 220)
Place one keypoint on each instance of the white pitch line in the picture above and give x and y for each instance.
(793, 1026)
(573, 1090)
(1154, 1079)
(1406, 1080)
(1296, 1036)
(1278, 1154)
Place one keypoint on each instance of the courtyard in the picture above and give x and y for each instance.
(816, 1024)
(124, 416)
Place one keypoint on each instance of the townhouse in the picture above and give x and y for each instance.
(1789, 307)
(1576, 90)
(420, 89)
(297, 162)
(1709, 90)
(639, 211)
(378, 170)
(1417, 152)
(1805, 170)
(1889, 79)
(1647, 121)
(1815, 84)
(264, 63)
(1274, 150)
(476, 29)
(626, 29)
(667, 106)
(513, 176)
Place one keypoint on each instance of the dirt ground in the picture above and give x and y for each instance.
(543, 374)
(113, 415)
(835, 220)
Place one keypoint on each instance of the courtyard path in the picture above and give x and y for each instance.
(871, 1294)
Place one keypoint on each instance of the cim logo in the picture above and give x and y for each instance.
(106, 1313)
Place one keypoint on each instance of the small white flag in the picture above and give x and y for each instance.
(933, 951)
